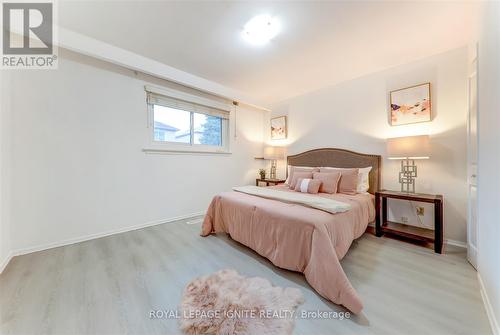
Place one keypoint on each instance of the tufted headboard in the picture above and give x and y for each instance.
(332, 157)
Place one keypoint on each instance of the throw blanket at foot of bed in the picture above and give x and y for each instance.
(309, 200)
(295, 237)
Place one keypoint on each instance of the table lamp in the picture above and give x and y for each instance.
(273, 154)
(408, 149)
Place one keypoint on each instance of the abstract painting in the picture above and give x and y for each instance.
(278, 128)
(411, 105)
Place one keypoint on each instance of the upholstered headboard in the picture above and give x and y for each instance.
(341, 158)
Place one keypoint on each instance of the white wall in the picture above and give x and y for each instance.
(77, 163)
(354, 115)
(5, 236)
(489, 160)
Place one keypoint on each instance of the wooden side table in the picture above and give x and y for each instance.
(269, 181)
(382, 225)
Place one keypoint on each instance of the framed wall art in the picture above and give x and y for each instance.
(278, 128)
(411, 105)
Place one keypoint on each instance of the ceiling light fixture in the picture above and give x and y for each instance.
(261, 29)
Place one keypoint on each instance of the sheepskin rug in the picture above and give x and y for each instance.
(227, 303)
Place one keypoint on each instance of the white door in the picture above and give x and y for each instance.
(472, 166)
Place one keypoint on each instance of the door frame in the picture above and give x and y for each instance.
(472, 229)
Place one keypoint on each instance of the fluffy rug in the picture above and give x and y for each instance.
(227, 303)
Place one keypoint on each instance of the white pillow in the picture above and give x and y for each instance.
(364, 180)
(287, 182)
(363, 177)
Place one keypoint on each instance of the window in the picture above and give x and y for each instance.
(207, 129)
(182, 125)
(171, 125)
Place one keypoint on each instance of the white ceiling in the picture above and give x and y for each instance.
(321, 43)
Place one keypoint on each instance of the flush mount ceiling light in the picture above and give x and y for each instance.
(261, 29)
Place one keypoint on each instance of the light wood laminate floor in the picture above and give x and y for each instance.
(110, 285)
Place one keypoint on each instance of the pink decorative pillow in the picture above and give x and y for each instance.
(306, 185)
(363, 176)
(349, 182)
(297, 175)
(329, 181)
(293, 169)
(348, 179)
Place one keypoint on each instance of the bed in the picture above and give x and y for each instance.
(296, 236)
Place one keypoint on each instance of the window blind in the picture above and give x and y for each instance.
(162, 100)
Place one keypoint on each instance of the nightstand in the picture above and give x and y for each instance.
(269, 181)
(382, 225)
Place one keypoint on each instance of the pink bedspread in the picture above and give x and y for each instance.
(295, 237)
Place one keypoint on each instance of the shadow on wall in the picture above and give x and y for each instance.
(442, 153)
(340, 138)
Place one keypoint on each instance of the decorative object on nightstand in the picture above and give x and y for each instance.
(269, 181)
(262, 173)
(273, 154)
(408, 149)
(382, 225)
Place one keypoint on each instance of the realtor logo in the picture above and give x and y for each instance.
(28, 35)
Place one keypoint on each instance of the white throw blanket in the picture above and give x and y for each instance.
(309, 200)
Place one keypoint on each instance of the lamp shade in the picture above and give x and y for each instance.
(272, 153)
(413, 147)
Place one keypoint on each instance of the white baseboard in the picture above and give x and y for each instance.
(472, 255)
(489, 309)
(5, 261)
(28, 250)
(455, 243)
